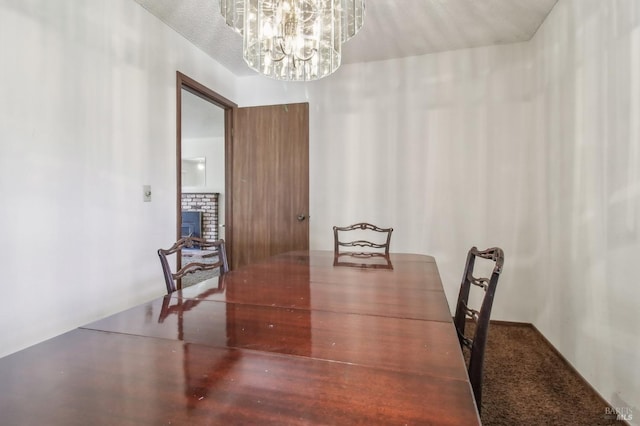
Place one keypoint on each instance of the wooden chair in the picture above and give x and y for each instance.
(477, 344)
(381, 240)
(212, 247)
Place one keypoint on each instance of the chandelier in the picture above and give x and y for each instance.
(295, 40)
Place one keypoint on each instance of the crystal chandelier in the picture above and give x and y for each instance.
(295, 40)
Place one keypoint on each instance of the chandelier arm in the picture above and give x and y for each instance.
(308, 58)
(272, 52)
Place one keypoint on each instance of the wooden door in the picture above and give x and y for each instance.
(270, 182)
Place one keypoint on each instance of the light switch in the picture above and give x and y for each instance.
(146, 193)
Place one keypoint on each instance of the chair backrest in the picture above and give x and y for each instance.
(369, 237)
(477, 344)
(211, 248)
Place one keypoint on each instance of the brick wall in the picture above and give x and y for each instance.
(206, 203)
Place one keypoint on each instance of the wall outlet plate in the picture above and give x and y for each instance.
(146, 193)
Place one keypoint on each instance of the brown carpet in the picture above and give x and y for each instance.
(527, 383)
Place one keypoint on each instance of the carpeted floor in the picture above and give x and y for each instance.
(527, 383)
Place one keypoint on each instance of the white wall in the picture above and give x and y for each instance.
(586, 96)
(213, 151)
(87, 117)
(440, 148)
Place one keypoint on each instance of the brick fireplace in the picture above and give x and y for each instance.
(207, 204)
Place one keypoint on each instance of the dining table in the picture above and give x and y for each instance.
(300, 338)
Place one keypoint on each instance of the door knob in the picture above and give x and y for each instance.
(301, 217)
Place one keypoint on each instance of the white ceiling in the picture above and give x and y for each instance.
(392, 28)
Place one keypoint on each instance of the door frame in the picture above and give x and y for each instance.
(198, 89)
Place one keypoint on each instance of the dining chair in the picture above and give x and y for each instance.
(367, 236)
(212, 249)
(477, 343)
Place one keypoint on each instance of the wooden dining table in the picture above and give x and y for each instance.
(301, 338)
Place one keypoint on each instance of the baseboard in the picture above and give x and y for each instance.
(562, 358)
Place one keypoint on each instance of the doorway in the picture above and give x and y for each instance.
(203, 140)
(266, 175)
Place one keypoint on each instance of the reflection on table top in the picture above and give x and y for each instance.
(377, 341)
(292, 340)
(85, 377)
(296, 280)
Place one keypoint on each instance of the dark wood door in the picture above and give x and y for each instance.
(270, 182)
